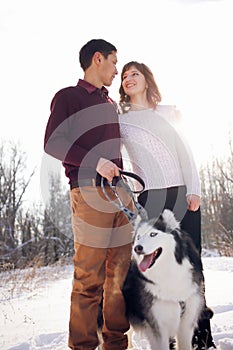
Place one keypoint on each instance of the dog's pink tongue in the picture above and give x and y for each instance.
(145, 263)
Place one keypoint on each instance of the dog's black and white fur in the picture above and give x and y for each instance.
(164, 287)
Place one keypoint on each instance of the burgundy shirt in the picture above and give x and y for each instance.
(83, 127)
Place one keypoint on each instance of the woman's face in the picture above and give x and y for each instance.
(134, 82)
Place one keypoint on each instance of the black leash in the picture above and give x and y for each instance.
(119, 203)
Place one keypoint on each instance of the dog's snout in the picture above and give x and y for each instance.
(138, 249)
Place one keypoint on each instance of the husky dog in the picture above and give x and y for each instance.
(164, 286)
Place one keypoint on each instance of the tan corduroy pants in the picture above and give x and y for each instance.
(102, 255)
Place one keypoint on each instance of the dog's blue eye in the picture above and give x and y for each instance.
(152, 234)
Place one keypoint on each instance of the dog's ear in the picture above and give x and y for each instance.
(166, 221)
(170, 220)
(135, 224)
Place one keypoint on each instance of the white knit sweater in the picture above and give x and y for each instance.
(157, 152)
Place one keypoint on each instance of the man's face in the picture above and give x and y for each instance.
(108, 68)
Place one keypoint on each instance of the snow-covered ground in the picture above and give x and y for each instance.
(35, 305)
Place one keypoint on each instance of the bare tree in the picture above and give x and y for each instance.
(217, 203)
(30, 233)
(57, 223)
(41, 234)
(12, 189)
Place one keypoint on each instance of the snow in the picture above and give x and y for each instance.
(35, 305)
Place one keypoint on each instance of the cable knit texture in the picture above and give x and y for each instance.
(156, 149)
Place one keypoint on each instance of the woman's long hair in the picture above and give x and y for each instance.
(153, 94)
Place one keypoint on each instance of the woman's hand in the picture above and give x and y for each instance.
(193, 201)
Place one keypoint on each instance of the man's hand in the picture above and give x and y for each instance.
(193, 201)
(107, 169)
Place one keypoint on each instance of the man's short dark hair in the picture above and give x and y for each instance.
(88, 50)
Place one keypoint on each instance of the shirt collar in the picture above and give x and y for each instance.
(91, 88)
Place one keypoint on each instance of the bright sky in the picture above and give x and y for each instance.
(187, 44)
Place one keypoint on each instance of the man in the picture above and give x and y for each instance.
(83, 132)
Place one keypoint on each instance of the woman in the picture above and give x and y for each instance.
(162, 157)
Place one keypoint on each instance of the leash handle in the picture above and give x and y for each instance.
(120, 205)
(135, 177)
